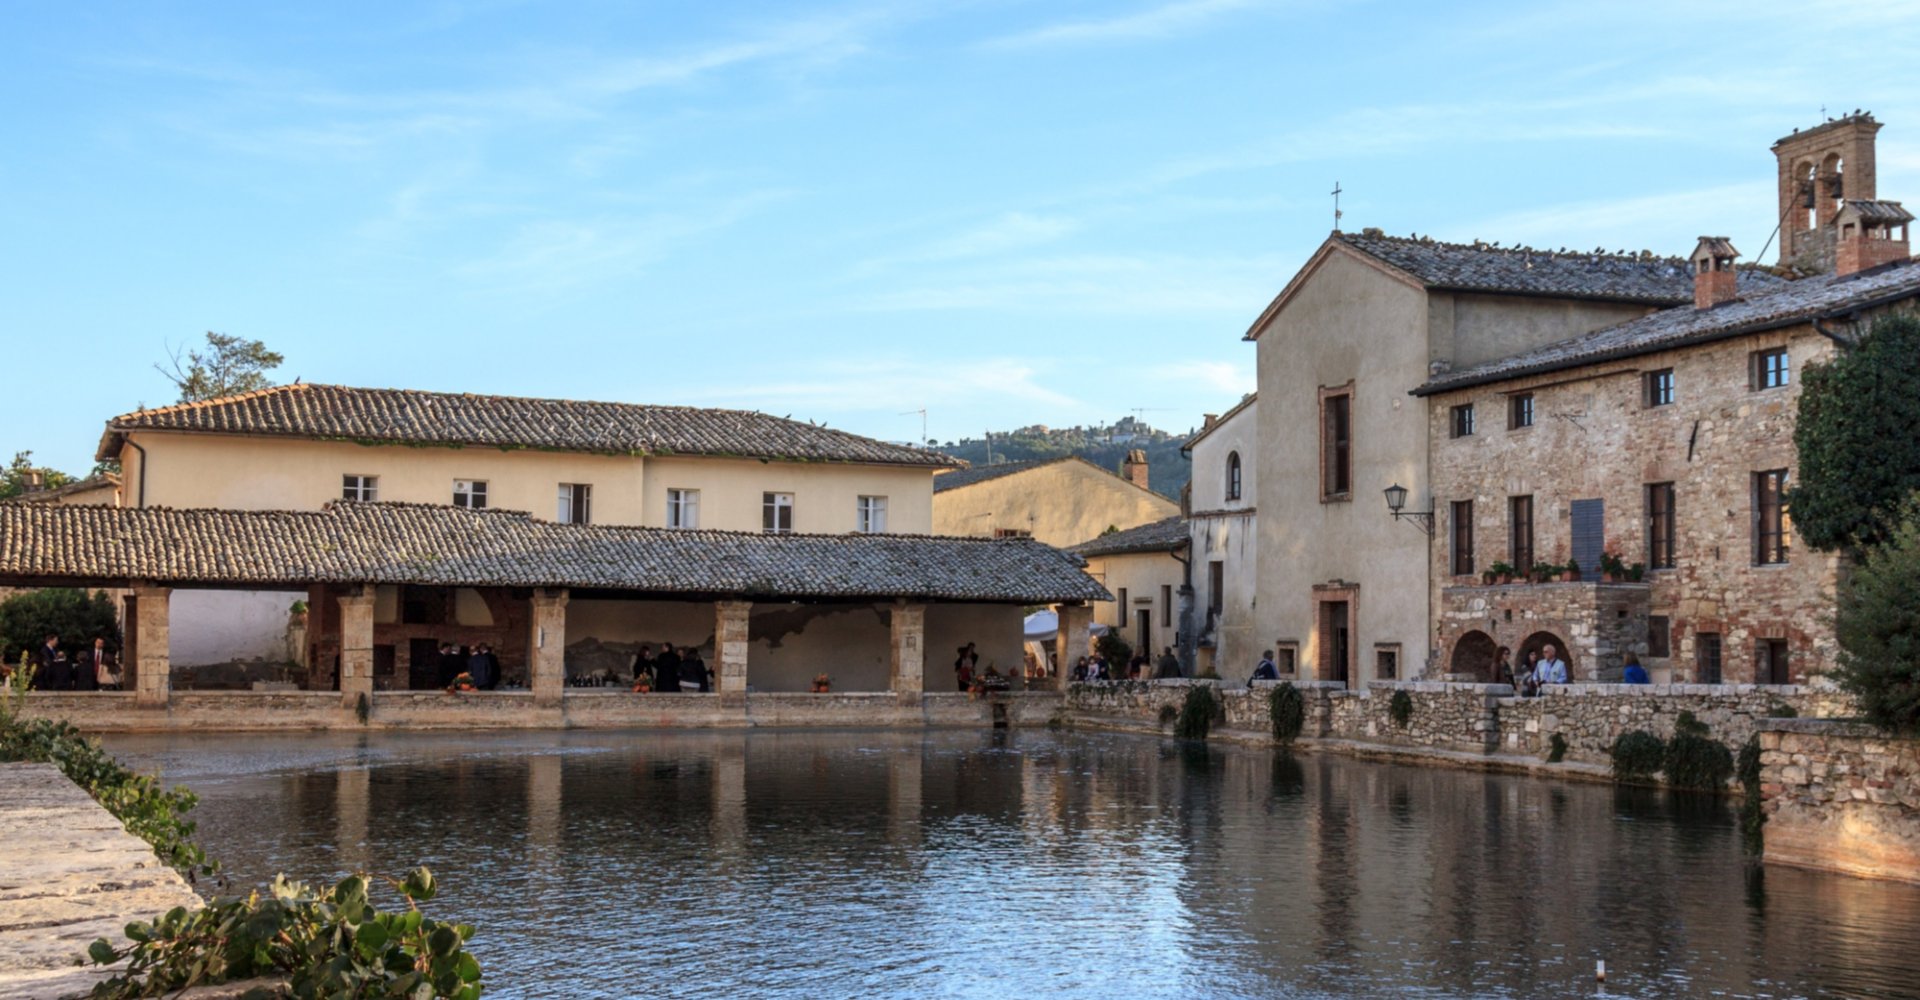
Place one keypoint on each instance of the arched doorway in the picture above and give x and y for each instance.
(1473, 656)
(1539, 639)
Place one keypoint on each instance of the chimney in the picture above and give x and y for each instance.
(1207, 420)
(1869, 234)
(35, 480)
(1134, 469)
(1714, 279)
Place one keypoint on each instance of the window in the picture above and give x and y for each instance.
(576, 503)
(1012, 533)
(1706, 651)
(1770, 368)
(1660, 526)
(1462, 420)
(470, 493)
(683, 508)
(1286, 656)
(1120, 607)
(776, 513)
(1463, 538)
(1659, 636)
(1233, 475)
(1659, 387)
(1386, 662)
(1520, 411)
(1520, 533)
(871, 515)
(1770, 662)
(365, 488)
(1769, 517)
(1216, 586)
(1336, 447)
(1166, 605)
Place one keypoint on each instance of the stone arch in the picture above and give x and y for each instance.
(1545, 638)
(1832, 186)
(1473, 655)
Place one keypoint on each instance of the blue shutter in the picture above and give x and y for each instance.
(1589, 535)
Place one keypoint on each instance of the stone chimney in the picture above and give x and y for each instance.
(35, 480)
(1207, 420)
(1134, 469)
(1869, 234)
(1714, 279)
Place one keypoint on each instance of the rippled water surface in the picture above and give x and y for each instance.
(1035, 864)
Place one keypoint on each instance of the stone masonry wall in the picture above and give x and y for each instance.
(1591, 716)
(1593, 437)
(1591, 623)
(1841, 796)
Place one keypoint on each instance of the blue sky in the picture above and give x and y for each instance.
(1004, 212)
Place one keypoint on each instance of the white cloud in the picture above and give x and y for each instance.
(1154, 22)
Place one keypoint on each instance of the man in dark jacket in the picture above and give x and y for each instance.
(1169, 665)
(484, 667)
(50, 671)
(666, 669)
(451, 664)
(693, 670)
(643, 664)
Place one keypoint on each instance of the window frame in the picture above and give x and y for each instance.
(1772, 658)
(1765, 374)
(1383, 652)
(1460, 420)
(1216, 586)
(574, 503)
(1166, 605)
(870, 514)
(1460, 533)
(1519, 530)
(1657, 388)
(476, 489)
(1709, 661)
(1662, 524)
(683, 509)
(1286, 657)
(772, 504)
(1336, 444)
(1772, 535)
(1520, 412)
(1233, 475)
(358, 487)
(1659, 637)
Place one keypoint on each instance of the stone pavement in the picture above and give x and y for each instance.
(69, 873)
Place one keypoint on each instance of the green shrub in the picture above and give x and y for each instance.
(1556, 749)
(1752, 819)
(1637, 755)
(1697, 761)
(1878, 625)
(1117, 652)
(1168, 713)
(1400, 708)
(77, 617)
(1288, 709)
(332, 944)
(1858, 455)
(1196, 715)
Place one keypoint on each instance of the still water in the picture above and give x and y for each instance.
(1035, 864)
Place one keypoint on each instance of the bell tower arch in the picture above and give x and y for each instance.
(1819, 168)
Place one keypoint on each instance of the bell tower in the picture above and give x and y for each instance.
(1821, 168)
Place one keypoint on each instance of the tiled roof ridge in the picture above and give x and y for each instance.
(1150, 536)
(1515, 250)
(201, 404)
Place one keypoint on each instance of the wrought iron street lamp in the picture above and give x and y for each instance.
(1396, 505)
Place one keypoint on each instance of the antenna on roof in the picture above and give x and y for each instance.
(923, 421)
(1336, 206)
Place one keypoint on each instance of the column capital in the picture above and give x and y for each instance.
(362, 599)
(551, 597)
(142, 588)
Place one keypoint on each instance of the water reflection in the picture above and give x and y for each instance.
(1058, 865)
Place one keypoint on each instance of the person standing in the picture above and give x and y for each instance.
(1553, 670)
(48, 666)
(1169, 665)
(1530, 678)
(643, 665)
(1503, 667)
(693, 670)
(98, 667)
(1634, 672)
(963, 669)
(483, 667)
(666, 669)
(1267, 670)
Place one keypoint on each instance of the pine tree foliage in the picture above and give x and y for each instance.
(1858, 439)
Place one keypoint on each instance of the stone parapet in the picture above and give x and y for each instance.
(1841, 796)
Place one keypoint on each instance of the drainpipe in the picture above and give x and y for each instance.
(141, 500)
(1820, 328)
(1186, 641)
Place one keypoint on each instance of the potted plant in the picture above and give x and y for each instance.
(642, 684)
(822, 684)
(462, 681)
(1637, 572)
(297, 614)
(1500, 573)
(1611, 566)
(1572, 572)
(1544, 572)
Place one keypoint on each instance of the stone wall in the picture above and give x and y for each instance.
(1841, 796)
(1591, 623)
(1591, 716)
(1593, 438)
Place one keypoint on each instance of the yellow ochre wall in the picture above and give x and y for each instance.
(1142, 575)
(263, 473)
(1062, 504)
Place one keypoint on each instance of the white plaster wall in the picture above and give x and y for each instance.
(994, 630)
(220, 626)
(1226, 531)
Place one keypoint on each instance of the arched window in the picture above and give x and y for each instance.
(1233, 475)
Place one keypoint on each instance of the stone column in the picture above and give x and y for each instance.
(909, 651)
(356, 648)
(153, 673)
(1070, 643)
(730, 644)
(547, 647)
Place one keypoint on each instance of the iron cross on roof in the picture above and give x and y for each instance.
(1336, 206)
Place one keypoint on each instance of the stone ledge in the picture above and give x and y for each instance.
(1828, 727)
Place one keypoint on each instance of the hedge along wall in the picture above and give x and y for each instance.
(1841, 796)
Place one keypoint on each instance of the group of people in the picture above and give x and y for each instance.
(93, 669)
(1140, 667)
(674, 669)
(1543, 667)
(971, 679)
(479, 664)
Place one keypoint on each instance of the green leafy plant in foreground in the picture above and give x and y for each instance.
(1400, 708)
(1197, 713)
(321, 944)
(1288, 710)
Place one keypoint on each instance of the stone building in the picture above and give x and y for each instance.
(1663, 444)
(300, 446)
(1223, 542)
(1344, 587)
(1144, 568)
(1062, 501)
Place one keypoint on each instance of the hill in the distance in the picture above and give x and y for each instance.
(1106, 447)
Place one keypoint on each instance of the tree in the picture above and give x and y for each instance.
(1878, 625)
(18, 476)
(1859, 455)
(229, 365)
(75, 616)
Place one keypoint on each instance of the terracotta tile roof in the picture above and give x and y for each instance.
(1481, 267)
(1164, 535)
(982, 473)
(105, 480)
(349, 542)
(1789, 305)
(409, 416)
